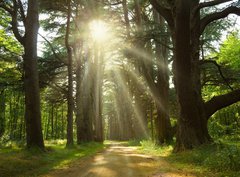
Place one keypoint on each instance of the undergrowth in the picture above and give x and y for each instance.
(17, 161)
(218, 159)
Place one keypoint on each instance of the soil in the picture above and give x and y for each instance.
(119, 160)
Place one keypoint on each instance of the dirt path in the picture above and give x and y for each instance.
(118, 161)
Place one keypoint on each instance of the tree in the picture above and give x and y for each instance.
(184, 17)
(28, 13)
(70, 79)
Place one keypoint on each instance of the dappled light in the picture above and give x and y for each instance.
(118, 88)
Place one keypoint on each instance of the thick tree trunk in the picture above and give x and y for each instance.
(186, 26)
(31, 80)
(192, 123)
(85, 129)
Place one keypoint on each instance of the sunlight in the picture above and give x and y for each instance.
(99, 30)
(129, 98)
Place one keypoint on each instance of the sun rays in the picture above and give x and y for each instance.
(111, 60)
(99, 31)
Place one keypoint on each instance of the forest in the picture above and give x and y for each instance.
(159, 78)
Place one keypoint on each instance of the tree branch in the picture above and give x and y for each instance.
(218, 15)
(111, 3)
(221, 101)
(211, 3)
(164, 12)
(219, 70)
(53, 50)
(21, 11)
(13, 13)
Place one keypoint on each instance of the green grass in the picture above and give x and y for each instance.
(15, 161)
(220, 159)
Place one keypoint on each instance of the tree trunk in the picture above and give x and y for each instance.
(31, 79)
(70, 101)
(86, 122)
(2, 113)
(186, 26)
(192, 123)
(126, 18)
(79, 97)
(52, 121)
(163, 125)
(97, 94)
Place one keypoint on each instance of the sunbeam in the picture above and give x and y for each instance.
(99, 31)
(130, 99)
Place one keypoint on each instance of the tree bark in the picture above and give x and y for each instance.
(183, 17)
(79, 97)
(31, 78)
(221, 101)
(70, 101)
(163, 125)
(99, 80)
(192, 123)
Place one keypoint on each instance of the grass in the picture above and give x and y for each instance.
(15, 161)
(220, 159)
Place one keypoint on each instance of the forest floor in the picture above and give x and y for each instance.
(120, 160)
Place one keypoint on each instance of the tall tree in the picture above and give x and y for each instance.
(183, 17)
(29, 17)
(70, 100)
(163, 126)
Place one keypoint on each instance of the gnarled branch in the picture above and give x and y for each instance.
(218, 15)
(221, 101)
(212, 3)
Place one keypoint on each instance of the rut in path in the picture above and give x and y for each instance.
(117, 161)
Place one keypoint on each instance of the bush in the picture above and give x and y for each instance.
(226, 158)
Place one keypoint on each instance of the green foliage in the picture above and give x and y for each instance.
(35, 163)
(226, 158)
(229, 54)
(225, 123)
(10, 52)
(8, 45)
(10, 75)
(148, 146)
(219, 159)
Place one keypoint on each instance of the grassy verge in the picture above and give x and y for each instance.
(15, 161)
(218, 159)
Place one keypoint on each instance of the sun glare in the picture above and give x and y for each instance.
(99, 30)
